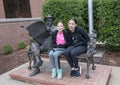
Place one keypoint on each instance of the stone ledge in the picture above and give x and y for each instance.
(100, 76)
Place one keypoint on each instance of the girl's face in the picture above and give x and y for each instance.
(60, 26)
(72, 25)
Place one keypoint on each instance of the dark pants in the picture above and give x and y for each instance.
(71, 54)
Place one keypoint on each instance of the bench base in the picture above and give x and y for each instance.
(100, 76)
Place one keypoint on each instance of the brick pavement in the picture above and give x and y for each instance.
(100, 76)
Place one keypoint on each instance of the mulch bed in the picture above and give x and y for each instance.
(111, 58)
(8, 62)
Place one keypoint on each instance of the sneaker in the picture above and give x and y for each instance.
(72, 73)
(54, 73)
(80, 69)
(78, 72)
(59, 73)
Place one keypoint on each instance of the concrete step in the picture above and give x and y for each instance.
(98, 56)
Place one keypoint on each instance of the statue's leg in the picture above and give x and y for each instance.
(36, 52)
(34, 60)
(30, 58)
(37, 60)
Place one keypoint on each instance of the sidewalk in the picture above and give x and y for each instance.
(5, 79)
(115, 76)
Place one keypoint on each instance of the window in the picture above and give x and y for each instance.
(17, 8)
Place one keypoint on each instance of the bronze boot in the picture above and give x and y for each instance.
(35, 71)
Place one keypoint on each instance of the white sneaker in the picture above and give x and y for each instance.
(80, 70)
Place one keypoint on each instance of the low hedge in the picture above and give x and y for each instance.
(7, 49)
(21, 45)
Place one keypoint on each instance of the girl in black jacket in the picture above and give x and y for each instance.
(60, 41)
(79, 39)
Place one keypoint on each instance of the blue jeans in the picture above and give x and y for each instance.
(54, 56)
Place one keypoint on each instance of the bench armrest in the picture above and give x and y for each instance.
(91, 44)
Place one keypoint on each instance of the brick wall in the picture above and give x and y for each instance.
(36, 6)
(11, 33)
(2, 13)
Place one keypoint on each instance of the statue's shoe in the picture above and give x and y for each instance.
(35, 72)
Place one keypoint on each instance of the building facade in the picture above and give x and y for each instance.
(20, 8)
(11, 32)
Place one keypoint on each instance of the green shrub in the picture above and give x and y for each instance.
(111, 37)
(108, 23)
(63, 10)
(21, 45)
(7, 49)
(106, 15)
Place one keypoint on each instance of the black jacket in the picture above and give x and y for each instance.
(79, 37)
(67, 40)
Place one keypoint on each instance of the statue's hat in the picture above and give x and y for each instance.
(49, 17)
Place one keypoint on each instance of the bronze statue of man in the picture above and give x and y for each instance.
(42, 41)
